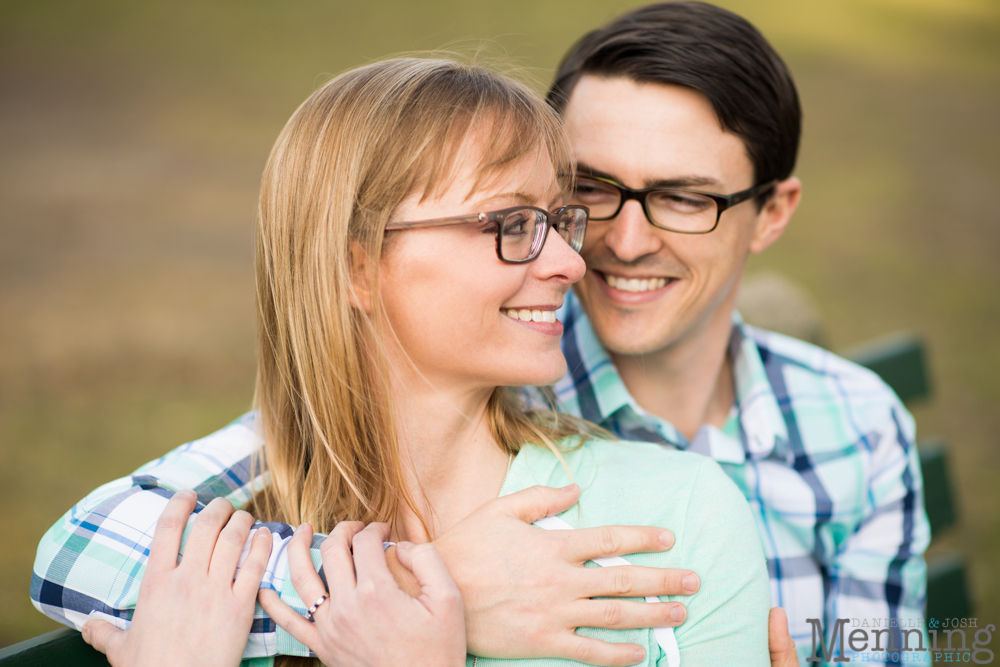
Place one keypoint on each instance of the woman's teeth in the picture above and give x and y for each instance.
(526, 315)
(635, 284)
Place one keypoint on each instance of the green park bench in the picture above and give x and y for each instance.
(899, 360)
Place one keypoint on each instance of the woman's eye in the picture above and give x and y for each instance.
(515, 225)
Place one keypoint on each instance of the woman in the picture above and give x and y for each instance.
(405, 278)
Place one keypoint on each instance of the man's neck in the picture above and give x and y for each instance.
(690, 382)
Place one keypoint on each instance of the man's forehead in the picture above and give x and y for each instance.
(651, 131)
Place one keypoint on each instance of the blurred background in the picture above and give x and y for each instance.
(133, 135)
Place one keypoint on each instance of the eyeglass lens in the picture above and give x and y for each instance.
(522, 231)
(672, 209)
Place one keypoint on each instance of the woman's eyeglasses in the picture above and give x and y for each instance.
(520, 231)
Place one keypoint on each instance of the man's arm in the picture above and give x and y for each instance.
(93, 558)
(879, 571)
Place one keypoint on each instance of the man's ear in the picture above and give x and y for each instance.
(361, 293)
(773, 219)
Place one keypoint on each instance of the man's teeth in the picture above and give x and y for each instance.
(635, 284)
(526, 315)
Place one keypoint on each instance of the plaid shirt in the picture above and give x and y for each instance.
(90, 563)
(823, 451)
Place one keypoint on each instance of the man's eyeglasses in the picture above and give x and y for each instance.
(520, 231)
(674, 209)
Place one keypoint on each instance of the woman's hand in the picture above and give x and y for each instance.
(192, 613)
(369, 620)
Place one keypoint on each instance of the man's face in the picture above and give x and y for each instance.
(653, 135)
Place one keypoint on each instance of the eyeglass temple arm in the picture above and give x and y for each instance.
(438, 222)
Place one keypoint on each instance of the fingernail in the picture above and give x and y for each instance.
(568, 488)
(85, 631)
(638, 655)
(667, 539)
(300, 527)
(403, 546)
(186, 493)
(691, 583)
(678, 614)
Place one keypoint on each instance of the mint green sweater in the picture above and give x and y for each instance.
(629, 483)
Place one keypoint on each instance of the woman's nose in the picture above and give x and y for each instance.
(558, 260)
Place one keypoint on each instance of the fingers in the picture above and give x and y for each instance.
(435, 581)
(104, 637)
(588, 543)
(626, 614)
(369, 556)
(229, 546)
(254, 565)
(338, 564)
(779, 641)
(531, 504)
(301, 569)
(286, 617)
(166, 541)
(205, 533)
(636, 581)
(596, 652)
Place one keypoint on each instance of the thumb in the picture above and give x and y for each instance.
(779, 641)
(531, 504)
(428, 567)
(104, 637)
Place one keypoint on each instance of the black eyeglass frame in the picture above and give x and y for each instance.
(549, 219)
(722, 202)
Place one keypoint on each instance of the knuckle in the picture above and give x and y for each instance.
(171, 522)
(300, 580)
(608, 541)
(623, 581)
(583, 652)
(612, 614)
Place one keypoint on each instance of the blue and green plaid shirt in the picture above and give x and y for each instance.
(822, 450)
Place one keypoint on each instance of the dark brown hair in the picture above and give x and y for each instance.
(708, 49)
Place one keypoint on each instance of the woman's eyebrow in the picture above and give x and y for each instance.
(519, 197)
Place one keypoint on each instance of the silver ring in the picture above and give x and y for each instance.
(312, 609)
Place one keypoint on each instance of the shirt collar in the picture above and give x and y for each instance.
(594, 390)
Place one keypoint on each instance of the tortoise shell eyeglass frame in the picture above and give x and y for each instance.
(570, 223)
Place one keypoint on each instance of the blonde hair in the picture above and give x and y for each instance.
(343, 163)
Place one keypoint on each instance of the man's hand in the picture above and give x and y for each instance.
(526, 591)
(779, 641)
(195, 612)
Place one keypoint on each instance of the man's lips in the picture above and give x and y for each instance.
(634, 284)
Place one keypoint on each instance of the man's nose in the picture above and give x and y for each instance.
(630, 235)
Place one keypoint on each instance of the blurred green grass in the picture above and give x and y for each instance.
(133, 135)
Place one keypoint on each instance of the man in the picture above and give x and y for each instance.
(679, 95)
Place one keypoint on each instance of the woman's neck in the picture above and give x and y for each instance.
(451, 462)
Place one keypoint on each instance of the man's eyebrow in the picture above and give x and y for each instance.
(677, 182)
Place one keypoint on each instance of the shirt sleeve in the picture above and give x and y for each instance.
(727, 617)
(879, 570)
(91, 562)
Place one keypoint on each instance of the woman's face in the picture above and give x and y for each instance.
(448, 297)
